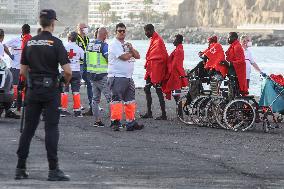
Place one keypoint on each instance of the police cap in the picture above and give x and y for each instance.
(48, 14)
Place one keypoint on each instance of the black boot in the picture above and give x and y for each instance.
(21, 172)
(57, 175)
(88, 113)
(147, 115)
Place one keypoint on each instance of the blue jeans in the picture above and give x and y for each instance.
(84, 76)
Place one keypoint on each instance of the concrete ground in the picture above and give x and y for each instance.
(166, 154)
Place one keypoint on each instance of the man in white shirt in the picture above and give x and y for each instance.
(75, 54)
(7, 105)
(121, 61)
(13, 48)
(246, 43)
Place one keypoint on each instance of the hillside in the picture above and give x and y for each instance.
(229, 13)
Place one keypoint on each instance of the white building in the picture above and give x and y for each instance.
(123, 8)
(19, 11)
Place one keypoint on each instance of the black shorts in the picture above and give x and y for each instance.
(75, 82)
(16, 74)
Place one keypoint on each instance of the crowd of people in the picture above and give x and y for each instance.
(106, 69)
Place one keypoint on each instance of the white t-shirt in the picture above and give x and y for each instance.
(14, 46)
(75, 53)
(1, 50)
(249, 61)
(116, 66)
(1, 55)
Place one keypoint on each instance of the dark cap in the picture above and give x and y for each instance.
(48, 14)
(72, 36)
(212, 39)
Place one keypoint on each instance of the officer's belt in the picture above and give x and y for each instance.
(47, 82)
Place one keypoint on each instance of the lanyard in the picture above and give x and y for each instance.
(83, 42)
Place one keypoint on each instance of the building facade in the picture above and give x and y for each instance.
(124, 8)
(19, 11)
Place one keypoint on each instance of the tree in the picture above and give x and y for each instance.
(148, 8)
(143, 16)
(104, 10)
(113, 17)
(131, 16)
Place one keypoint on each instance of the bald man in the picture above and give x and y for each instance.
(83, 41)
(97, 64)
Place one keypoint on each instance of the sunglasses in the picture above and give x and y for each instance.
(121, 31)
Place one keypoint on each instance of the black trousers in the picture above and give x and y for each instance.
(38, 99)
(147, 90)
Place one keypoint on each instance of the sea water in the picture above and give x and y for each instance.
(269, 59)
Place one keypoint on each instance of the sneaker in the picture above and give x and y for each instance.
(133, 126)
(57, 175)
(82, 108)
(88, 113)
(21, 174)
(64, 113)
(130, 125)
(78, 114)
(101, 109)
(163, 117)
(137, 126)
(99, 124)
(146, 116)
(11, 114)
(43, 116)
(14, 104)
(115, 125)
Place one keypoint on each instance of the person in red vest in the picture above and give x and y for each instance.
(156, 69)
(235, 56)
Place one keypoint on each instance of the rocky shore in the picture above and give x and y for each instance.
(193, 35)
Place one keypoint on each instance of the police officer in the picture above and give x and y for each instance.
(39, 64)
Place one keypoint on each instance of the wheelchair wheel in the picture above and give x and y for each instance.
(239, 115)
(201, 111)
(194, 109)
(218, 111)
(183, 110)
(210, 112)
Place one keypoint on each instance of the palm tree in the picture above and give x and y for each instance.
(113, 17)
(131, 16)
(165, 17)
(147, 4)
(143, 16)
(104, 10)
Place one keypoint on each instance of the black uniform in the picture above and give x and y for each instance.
(43, 54)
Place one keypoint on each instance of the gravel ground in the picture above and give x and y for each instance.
(166, 154)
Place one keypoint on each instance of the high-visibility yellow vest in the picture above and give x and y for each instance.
(81, 43)
(96, 62)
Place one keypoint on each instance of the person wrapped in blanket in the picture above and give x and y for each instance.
(213, 57)
(175, 79)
